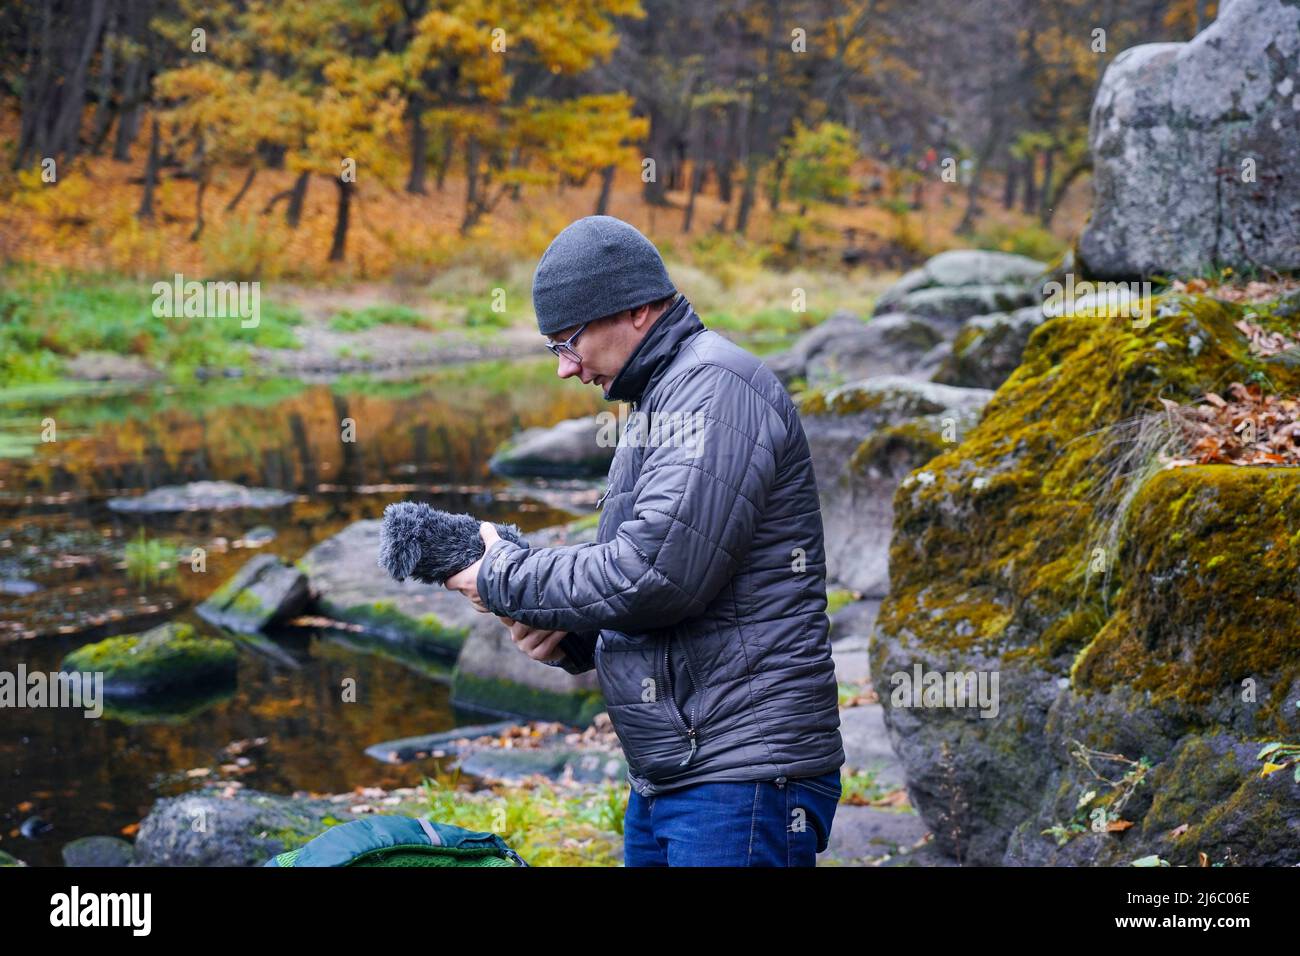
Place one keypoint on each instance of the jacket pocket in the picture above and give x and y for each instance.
(683, 695)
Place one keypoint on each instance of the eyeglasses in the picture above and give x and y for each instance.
(565, 348)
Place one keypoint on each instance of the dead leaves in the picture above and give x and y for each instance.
(1246, 428)
(1228, 291)
(1264, 343)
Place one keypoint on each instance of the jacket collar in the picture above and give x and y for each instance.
(652, 355)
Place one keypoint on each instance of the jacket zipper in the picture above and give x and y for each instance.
(672, 702)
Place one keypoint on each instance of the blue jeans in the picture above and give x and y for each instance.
(755, 823)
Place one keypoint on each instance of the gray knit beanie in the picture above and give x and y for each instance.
(596, 266)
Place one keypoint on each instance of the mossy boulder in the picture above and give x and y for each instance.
(171, 660)
(263, 591)
(494, 677)
(1126, 610)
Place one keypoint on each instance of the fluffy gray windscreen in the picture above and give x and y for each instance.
(430, 545)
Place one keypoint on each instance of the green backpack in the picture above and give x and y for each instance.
(386, 840)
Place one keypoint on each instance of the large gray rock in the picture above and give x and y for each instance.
(793, 362)
(264, 590)
(577, 448)
(865, 437)
(950, 306)
(959, 268)
(346, 585)
(1173, 125)
(493, 676)
(234, 828)
(887, 345)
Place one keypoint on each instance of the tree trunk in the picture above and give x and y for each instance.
(655, 191)
(134, 82)
(1045, 193)
(967, 224)
(699, 170)
(293, 215)
(103, 111)
(778, 177)
(54, 79)
(606, 182)
(198, 205)
(471, 185)
(419, 144)
(1029, 202)
(150, 174)
(444, 161)
(239, 196)
(341, 220)
(722, 171)
(66, 137)
(1073, 173)
(747, 191)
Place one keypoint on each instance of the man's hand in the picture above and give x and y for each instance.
(466, 580)
(540, 645)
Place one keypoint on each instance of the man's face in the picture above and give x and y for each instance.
(605, 345)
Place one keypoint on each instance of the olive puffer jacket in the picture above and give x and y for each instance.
(702, 603)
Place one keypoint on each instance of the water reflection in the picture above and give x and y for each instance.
(346, 450)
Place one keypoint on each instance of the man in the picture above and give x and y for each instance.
(701, 605)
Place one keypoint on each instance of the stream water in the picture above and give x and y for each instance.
(72, 570)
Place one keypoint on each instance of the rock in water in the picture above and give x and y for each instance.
(202, 496)
(265, 589)
(1195, 147)
(572, 449)
(170, 659)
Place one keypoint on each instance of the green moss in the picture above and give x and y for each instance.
(913, 442)
(246, 602)
(507, 697)
(386, 619)
(1218, 604)
(999, 531)
(838, 598)
(169, 657)
(585, 522)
